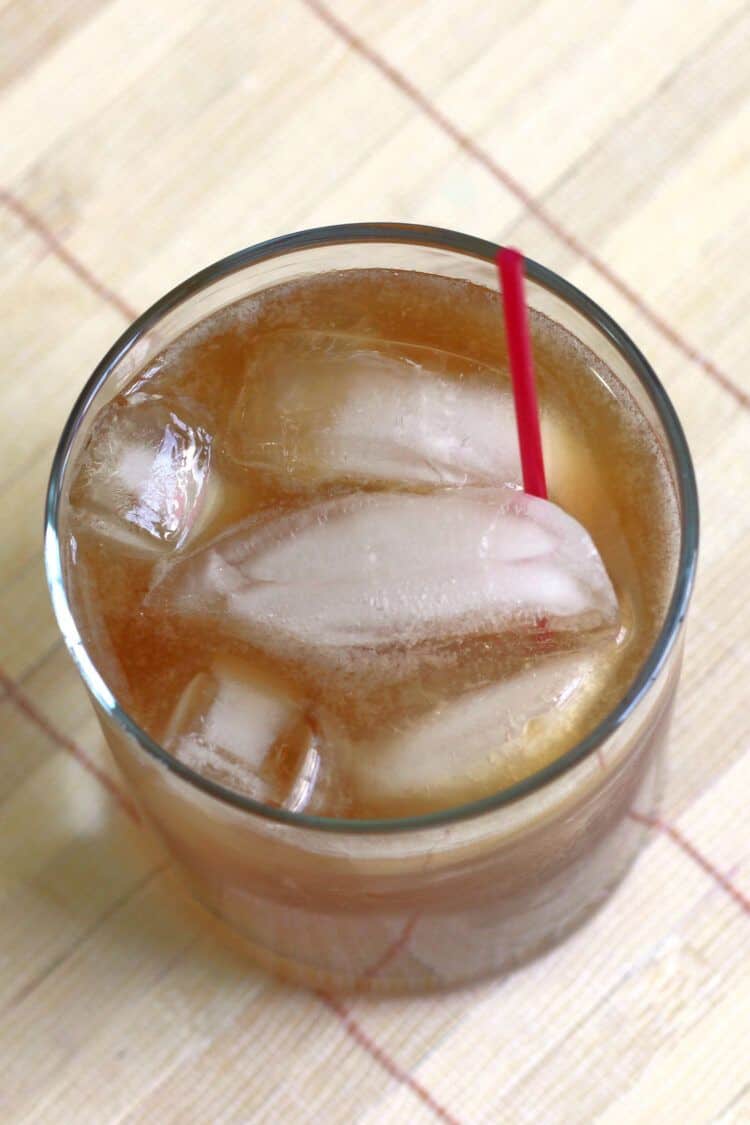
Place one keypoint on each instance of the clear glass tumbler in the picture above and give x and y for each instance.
(435, 900)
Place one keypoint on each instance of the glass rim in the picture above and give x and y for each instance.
(439, 239)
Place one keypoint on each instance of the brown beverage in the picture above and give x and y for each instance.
(299, 554)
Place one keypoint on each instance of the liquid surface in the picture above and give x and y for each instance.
(300, 555)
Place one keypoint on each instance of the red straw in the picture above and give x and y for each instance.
(510, 268)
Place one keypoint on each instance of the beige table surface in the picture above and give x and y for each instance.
(141, 139)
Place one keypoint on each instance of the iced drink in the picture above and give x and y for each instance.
(299, 555)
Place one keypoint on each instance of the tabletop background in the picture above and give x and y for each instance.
(140, 140)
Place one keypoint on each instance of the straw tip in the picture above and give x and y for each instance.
(508, 255)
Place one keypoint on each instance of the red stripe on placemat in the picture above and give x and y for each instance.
(55, 245)
(391, 952)
(27, 708)
(697, 856)
(356, 1032)
(532, 205)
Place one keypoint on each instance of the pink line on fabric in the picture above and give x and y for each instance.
(57, 247)
(682, 842)
(360, 1036)
(31, 712)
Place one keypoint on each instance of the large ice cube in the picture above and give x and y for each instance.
(478, 741)
(321, 406)
(147, 478)
(245, 731)
(369, 570)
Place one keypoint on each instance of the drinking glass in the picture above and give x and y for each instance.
(420, 902)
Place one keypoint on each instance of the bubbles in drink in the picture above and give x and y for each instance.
(379, 569)
(246, 732)
(148, 481)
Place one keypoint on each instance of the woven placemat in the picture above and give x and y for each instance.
(139, 141)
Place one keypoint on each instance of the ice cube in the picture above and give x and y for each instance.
(322, 406)
(476, 742)
(147, 478)
(244, 730)
(378, 569)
